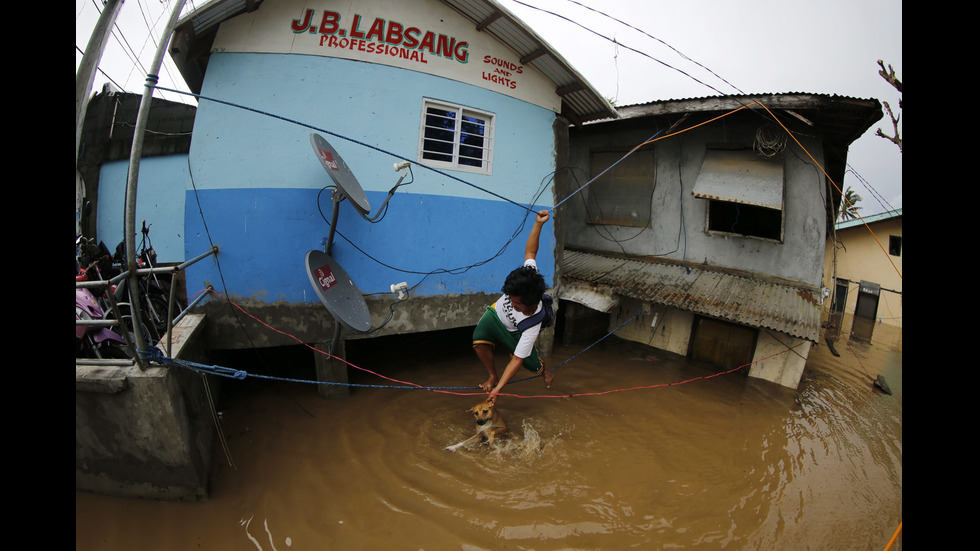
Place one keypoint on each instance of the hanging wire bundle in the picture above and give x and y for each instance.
(769, 141)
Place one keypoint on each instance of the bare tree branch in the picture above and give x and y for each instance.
(889, 76)
(896, 139)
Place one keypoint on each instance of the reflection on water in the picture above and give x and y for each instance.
(722, 463)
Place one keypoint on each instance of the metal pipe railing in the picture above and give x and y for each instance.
(171, 319)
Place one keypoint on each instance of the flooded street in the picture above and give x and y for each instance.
(630, 462)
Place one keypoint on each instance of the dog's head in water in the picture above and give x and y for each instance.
(490, 425)
(483, 412)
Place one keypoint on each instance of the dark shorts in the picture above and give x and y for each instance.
(491, 331)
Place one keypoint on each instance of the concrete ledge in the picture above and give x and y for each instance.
(106, 380)
(146, 433)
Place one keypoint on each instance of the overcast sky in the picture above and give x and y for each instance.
(676, 49)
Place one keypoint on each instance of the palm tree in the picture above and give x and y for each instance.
(849, 208)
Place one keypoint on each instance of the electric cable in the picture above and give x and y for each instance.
(621, 22)
(667, 65)
(127, 49)
(874, 192)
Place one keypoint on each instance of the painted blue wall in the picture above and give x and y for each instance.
(257, 181)
(159, 200)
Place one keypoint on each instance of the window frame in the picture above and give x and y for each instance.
(456, 159)
(729, 212)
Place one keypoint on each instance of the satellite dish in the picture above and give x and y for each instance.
(340, 173)
(337, 292)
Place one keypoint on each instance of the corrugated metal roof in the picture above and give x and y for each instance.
(841, 119)
(581, 101)
(204, 18)
(743, 300)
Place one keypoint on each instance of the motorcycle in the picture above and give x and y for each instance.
(92, 341)
(153, 292)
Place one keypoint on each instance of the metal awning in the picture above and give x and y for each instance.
(741, 177)
(744, 300)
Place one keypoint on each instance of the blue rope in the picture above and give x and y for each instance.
(156, 355)
(352, 140)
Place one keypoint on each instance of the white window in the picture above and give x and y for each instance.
(456, 138)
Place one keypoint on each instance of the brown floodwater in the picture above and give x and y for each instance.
(629, 462)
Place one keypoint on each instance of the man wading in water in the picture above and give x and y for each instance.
(515, 320)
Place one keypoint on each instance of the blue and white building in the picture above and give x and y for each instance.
(471, 98)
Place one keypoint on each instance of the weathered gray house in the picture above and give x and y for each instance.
(707, 230)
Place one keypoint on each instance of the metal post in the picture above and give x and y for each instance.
(333, 225)
(90, 64)
(134, 166)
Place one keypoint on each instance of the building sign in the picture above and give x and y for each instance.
(420, 35)
(382, 37)
(502, 72)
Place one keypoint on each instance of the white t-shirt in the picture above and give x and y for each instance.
(511, 317)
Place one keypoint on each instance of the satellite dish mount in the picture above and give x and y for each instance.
(330, 282)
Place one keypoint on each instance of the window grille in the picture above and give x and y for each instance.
(456, 138)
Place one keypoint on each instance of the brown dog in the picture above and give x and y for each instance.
(489, 425)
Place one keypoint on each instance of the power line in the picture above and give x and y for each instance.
(121, 39)
(621, 22)
(116, 84)
(874, 193)
(619, 43)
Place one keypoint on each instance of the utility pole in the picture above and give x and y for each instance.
(84, 78)
(134, 168)
(90, 64)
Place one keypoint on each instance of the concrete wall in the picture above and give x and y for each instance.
(777, 358)
(146, 434)
(159, 201)
(672, 331)
(262, 324)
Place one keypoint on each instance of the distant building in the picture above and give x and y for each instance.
(867, 250)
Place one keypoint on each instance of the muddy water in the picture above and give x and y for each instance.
(722, 463)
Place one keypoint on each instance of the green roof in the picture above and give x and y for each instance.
(869, 219)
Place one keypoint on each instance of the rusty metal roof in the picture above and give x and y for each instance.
(739, 299)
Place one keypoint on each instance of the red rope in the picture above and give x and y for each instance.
(482, 393)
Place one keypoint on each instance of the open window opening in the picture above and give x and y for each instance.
(744, 192)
